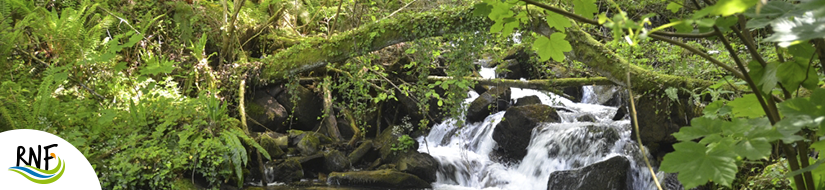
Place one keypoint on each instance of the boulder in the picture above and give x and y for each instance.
(385, 141)
(378, 178)
(335, 161)
(494, 100)
(273, 145)
(287, 171)
(620, 113)
(419, 164)
(659, 117)
(511, 69)
(610, 174)
(528, 100)
(576, 92)
(307, 108)
(513, 133)
(265, 109)
(309, 145)
(586, 118)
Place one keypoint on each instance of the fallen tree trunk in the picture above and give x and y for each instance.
(318, 53)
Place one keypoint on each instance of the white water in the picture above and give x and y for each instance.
(464, 152)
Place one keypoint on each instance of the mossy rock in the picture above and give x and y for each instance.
(271, 145)
(184, 184)
(335, 161)
(513, 133)
(287, 171)
(384, 144)
(494, 100)
(378, 178)
(309, 145)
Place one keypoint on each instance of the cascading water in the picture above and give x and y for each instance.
(465, 152)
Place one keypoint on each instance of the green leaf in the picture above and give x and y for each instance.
(672, 93)
(747, 106)
(769, 13)
(699, 127)
(790, 30)
(794, 73)
(674, 7)
(765, 78)
(707, 22)
(684, 27)
(106, 116)
(60, 77)
(696, 164)
(730, 7)
(482, 9)
(802, 52)
(553, 47)
(754, 149)
(557, 21)
(585, 8)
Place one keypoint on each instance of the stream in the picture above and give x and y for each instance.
(464, 152)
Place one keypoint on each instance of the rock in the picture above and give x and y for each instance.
(513, 133)
(308, 108)
(528, 100)
(659, 117)
(378, 178)
(419, 164)
(266, 110)
(620, 113)
(494, 100)
(359, 152)
(586, 118)
(287, 171)
(335, 161)
(511, 69)
(272, 145)
(385, 141)
(309, 145)
(610, 174)
(574, 91)
(618, 99)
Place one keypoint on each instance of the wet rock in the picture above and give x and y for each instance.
(610, 174)
(659, 117)
(309, 145)
(378, 178)
(620, 113)
(308, 107)
(286, 171)
(513, 133)
(419, 164)
(586, 118)
(494, 100)
(576, 92)
(273, 145)
(528, 100)
(618, 98)
(335, 161)
(267, 111)
(512, 69)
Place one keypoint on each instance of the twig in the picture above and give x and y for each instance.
(396, 11)
(638, 136)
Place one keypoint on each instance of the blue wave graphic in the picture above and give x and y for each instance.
(31, 172)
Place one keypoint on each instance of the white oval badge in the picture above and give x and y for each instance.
(35, 159)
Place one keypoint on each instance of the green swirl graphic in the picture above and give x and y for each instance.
(60, 167)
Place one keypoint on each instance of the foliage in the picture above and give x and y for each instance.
(731, 132)
(405, 142)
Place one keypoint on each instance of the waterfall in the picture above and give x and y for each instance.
(464, 152)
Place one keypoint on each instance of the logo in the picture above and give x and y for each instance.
(36, 173)
(33, 159)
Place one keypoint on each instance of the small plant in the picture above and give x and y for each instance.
(405, 142)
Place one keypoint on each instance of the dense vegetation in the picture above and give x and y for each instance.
(157, 92)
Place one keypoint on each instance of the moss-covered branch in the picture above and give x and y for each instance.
(316, 53)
